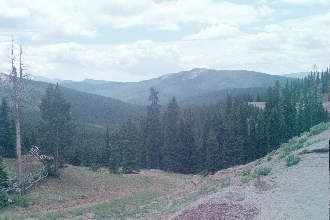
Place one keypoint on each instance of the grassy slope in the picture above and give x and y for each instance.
(82, 193)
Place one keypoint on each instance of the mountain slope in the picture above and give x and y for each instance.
(299, 75)
(86, 108)
(182, 85)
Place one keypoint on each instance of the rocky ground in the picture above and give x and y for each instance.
(296, 192)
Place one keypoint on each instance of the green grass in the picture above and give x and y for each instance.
(127, 207)
(292, 160)
(258, 162)
(291, 146)
(21, 201)
(257, 172)
(262, 171)
(246, 179)
(297, 143)
(246, 171)
(317, 129)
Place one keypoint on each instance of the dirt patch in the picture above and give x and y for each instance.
(219, 211)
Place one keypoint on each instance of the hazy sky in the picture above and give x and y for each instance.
(130, 40)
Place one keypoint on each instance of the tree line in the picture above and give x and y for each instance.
(217, 136)
(203, 139)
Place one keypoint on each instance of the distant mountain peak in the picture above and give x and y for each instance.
(196, 72)
(190, 74)
(183, 85)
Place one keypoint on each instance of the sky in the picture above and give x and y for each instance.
(133, 40)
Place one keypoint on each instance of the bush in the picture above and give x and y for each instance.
(246, 179)
(3, 176)
(292, 160)
(262, 171)
(3, 199)
(317, 129)
(258, 162)
(19, 201)
(246, 172)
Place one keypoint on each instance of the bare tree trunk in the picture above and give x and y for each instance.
(18, 141)
(17, 90)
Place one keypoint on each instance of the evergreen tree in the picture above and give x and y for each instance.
(56, 124)
(213, 153)
(3, 175)
(171, 149)
(153, 132)
(115, 154)
(143, 149)
(130, 161)
(7, 132)
(289, 112)
(188, 155)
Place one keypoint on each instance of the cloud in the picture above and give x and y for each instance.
(51, 19)
(227, 36)
(297, 2)
(291, 46)
(215, 31)
(305, 2)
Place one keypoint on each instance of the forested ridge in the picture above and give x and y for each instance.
(192, 140)
(210, 138)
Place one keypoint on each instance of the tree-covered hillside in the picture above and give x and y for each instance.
(215, 137)
(86, 108)
(183, 85)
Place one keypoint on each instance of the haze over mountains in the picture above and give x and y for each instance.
(89, 109)
(185, 85)
(299, 75)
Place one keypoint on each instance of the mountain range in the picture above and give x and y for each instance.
(185, 85)
(88, 109)
(299, 75)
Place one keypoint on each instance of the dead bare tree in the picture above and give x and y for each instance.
(17, 81)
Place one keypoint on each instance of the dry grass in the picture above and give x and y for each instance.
(80, 190)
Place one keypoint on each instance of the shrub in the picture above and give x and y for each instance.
(317, 129)
(258, 162)
(262, 171)
(3, 199)
(274, 152)
(284, 154)
(246, 179)
(246, 172)
(3, 176)
(288, 148)
(19, 200)
(258, 171)
(292, 160)
(269, 158)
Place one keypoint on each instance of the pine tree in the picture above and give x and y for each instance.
(130, 161)
(7, 132)
(188, 155)
(213, 153)
(56, 124)
(289, 112)
(115, 151)
(171, 149)
(3, 175)
(153, 132)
